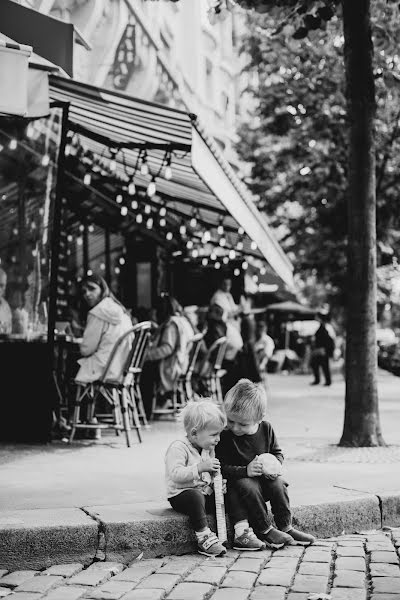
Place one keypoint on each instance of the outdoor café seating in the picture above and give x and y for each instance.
(123, 395)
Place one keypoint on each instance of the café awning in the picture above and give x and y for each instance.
(202, 184)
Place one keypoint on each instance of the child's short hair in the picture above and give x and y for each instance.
(248, 399)
(202, 414)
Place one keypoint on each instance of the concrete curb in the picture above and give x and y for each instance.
(36, 539)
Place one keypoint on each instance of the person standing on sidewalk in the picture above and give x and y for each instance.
(324, 346)
(249, 485)
(190, 466)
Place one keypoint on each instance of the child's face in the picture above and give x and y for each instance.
(240, 425)
(206, 438)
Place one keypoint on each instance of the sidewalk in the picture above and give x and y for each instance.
(103, 497)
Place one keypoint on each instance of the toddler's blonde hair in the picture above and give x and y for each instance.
(247, 399)
(202, 414)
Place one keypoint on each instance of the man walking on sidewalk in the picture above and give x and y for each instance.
(324, 346)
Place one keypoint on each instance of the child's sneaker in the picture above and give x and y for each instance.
(248, 541)
(300, 538)
(210, 545)
(276, 539)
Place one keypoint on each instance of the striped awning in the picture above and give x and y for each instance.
(202, 184)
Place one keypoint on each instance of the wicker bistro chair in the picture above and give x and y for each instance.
(183, 391)
(123, 395)
(212, 371)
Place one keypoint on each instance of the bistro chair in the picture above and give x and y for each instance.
(121, 394)
(183, 390)
(212, 371)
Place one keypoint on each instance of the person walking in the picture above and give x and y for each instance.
(324, 346)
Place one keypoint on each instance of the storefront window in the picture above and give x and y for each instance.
(28, 175)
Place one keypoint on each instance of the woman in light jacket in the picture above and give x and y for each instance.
(107, 321)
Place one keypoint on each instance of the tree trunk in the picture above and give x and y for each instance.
(361, 419)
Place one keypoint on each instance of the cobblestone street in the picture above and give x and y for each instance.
(349, 567)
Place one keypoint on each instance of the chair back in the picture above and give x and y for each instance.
(216, 353)
(194, 352)
(136, 340)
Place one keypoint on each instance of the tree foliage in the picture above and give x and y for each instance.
(296, 138)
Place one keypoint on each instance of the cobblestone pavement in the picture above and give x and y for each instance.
(362, 566)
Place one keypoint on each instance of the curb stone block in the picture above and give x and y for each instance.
(144, 594)
(239, 579)
(65, 592)
(110, 567)
(329, 519)
(349, 594)
(161, 582)
(64, 570)
(230, 594)
(40, 585)
(310, 568)
(349, 579)
(275, 577)
(385, 556)
(273, 593)
(112, 590)
(135, 573)
(310, 583)
(206, 574)
(350, 563)
(385, 597)
(316, 556)
(279, 562)
(90, 578)
(194, 591)
(343, 551)
(382, 570)
(37, 538)
(17, 578)
(5, 592)
(25, 596)
(248, 564)
(388, 585)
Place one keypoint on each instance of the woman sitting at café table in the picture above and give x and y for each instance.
(107, 321)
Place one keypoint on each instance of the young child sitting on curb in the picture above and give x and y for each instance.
(190, 466)
(250, 482)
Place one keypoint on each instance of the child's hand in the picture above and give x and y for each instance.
(254, 468)
(211, 465)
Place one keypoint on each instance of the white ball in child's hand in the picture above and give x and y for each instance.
(270, 465)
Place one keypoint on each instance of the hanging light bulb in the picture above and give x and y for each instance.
(189, 244)
(220, 229)
(81, 227)
(163, 222)
(91, 228)
(213, 256)
(239, 245)
(162, 211)
(121, 260)
(245, 264)
(193, 222)
(67, 150)
(117, 270)
(131, 188)
(195, 253)
(168, 172)
(118, 198)
(232, 254)
(144, 167)
(263, 270)
(241, 231)
(124, 211)
(151, 188)
(225, 260)
(253, 245)
(169, 235)
(204, 261)
(13, 144)
(113, 165)
(89, 272)
(102, 267)
(222, 241)
(182, 229)
(236, 272)
(30, 130)
(45, 160)
(79, 241)
(70, 238)
(139, 218)
(134, 204)
(87, 179)
(206, 236)
(217, 265)
(149, 223)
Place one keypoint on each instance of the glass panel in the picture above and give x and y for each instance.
(28, 175)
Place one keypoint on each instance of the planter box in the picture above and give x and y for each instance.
(14, 78)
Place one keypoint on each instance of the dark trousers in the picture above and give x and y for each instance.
(196, 505)
(323, 363)
(247, 498)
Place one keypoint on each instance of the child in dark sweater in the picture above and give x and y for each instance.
(251, 483)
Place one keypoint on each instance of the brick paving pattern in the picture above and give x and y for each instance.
(361, 566)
